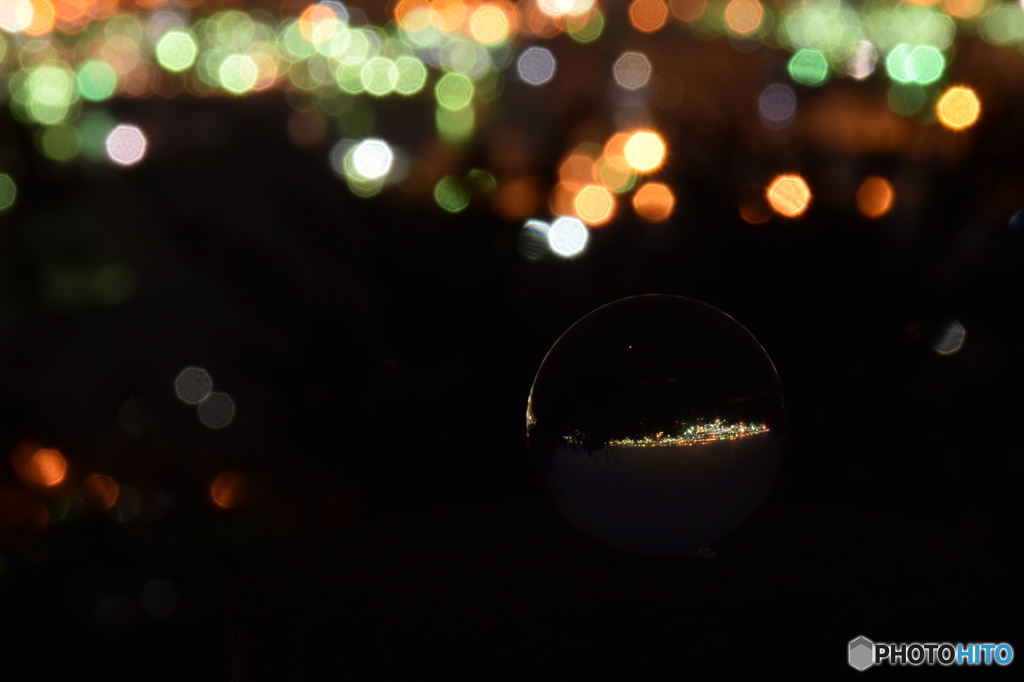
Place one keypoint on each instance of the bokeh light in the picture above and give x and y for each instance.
(380, 76)
(875, 197)
(1004, 24)
(645, 151)
(926, 64)
(217, 410)
(97, 80)
(59, 142)
(654, 202)
(861, 63)
(412, 75)
(809, 67)
(8, 191)
(176, 50)
(103, 490)
(958, 108)
(632, 70)
(126, 145)
(567, 237)
(965, 9)
(372, 158)
(950, 338)
(455, 126)
(451, 194)
(192, 385)
(777, 105)
(536, 65)
(615, 174)
(48, 467)
(587, 27)
(228, 490)
(238, 73)
(594, 205)
(16, 15)
(744, 16)
(648, 15)
(490, 24)
(906, 99)
(789, 195)
(454, 91)
(533, 239)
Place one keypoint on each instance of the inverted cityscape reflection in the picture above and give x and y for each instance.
(656, 424)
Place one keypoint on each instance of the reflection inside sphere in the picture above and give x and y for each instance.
(656, 424)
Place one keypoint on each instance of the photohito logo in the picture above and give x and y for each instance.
(863, 653)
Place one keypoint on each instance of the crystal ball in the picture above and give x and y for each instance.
(656, 424)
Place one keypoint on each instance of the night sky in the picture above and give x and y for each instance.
(379, 351)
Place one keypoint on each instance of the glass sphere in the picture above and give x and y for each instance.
(656, 424)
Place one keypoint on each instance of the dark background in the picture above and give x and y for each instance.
(380, 351)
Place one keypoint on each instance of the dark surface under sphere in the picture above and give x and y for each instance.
(656, 423)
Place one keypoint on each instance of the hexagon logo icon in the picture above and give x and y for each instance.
(862, 653)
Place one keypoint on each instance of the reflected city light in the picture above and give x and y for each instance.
(645, 151)
(875, 197)
(228, 490)
(789, 195)
(654, 202)
(958, 108)
(103, 490)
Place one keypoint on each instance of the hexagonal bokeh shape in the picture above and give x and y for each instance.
(632, 70)
(193, 385)
(536, 65)
(862, 653)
